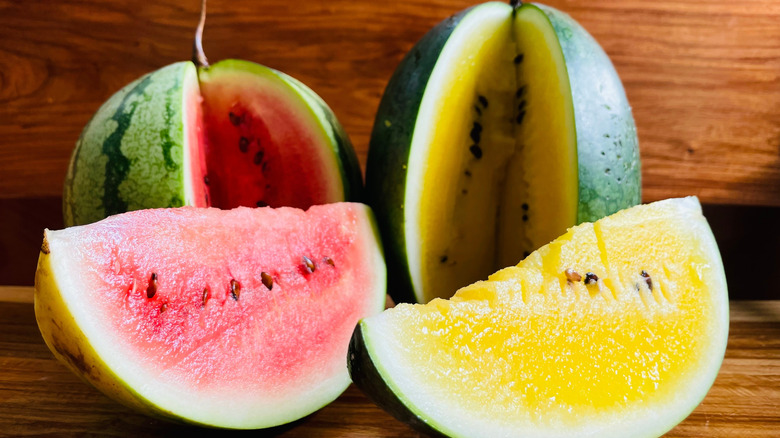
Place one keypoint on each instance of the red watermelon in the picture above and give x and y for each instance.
(227, 318)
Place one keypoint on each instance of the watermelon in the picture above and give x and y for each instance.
(501, 128)
(615, 329)
(225, 318)
(227, 135)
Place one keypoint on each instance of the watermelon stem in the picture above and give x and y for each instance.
(198, 56)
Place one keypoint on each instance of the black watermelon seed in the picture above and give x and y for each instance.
(467, 173)
(483, 100)
(164, 307)
(478, 110)
(524, 206)
(475, 133)
(522, 105)
(647, 278)
(329, 261)
(519, 58)
(443, 259)
(476, 151)
(151, 290)
(235, 289)
(268, 281)
(205, 298)
(525, 218)
(259, 157)
(234, 119)
(243, 144)
(520, 117)
(520, 91)
(309, 265)
(262, 204)
(572, 275)
(206, 180)
(591, 278)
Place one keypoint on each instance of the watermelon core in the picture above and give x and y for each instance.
(236, 319)
(261, 147)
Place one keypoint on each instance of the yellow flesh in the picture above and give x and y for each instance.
(529, 345)
(489, 212)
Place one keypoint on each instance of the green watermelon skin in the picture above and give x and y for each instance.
(130, 155)
(609, 172)
(249, 354)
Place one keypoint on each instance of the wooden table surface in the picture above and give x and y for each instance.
(38, 395)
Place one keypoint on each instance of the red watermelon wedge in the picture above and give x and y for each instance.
(227, 318)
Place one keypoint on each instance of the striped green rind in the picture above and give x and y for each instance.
(130, 154)
(389, 149)
(607, 145)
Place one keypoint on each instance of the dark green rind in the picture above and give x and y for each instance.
(607, 145)
(366, 377)
(389, 148)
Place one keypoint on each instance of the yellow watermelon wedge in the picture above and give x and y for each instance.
(616, 329)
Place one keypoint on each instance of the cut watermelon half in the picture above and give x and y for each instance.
(231, 134)
(234, 319)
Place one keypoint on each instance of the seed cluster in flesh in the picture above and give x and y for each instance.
(307, 267)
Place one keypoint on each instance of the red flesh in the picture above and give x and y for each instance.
(263, 146)
(265, 340)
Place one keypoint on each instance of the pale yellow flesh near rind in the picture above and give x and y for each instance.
(528, 353)
(467, 214)
(74, 334)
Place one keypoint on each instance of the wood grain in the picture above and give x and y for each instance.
(39, 396)
(702, 76)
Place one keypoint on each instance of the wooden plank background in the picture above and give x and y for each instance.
(703, 78)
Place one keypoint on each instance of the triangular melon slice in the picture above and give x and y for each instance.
(617, 328)
(223, 318)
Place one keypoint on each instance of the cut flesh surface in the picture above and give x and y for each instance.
(210, 316)
(617, 328)
(500, 124)
(264, 140)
